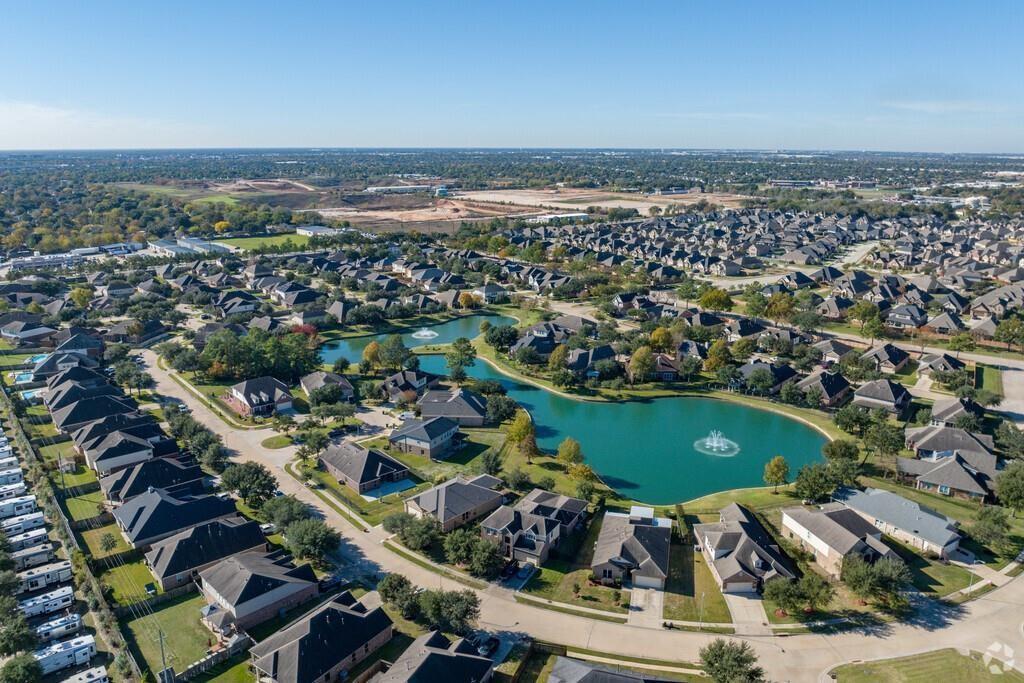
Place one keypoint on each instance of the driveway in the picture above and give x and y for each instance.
(748, 614)
(646, 606)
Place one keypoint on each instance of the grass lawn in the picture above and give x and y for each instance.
(555, 580)
(46, 430)
(299, 241)
(65, 450)
(467, 458)
(949, 666)
(374, 511)
(755, 498)
(185, 638)
(931, 577)
(990, 378)
(234, 670)
(82, 476)
(128, 582)
(85, 506)
(92, 539)
(689, 579)
(278, 441)
(14, 360)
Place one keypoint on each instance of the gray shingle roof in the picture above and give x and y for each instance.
(913, 518)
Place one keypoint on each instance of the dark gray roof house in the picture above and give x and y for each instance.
(179, 558)
(633, 547)
(884, 394)
(433, 658)
(832, 385)
(568, 670)
(360, 468)
(323, 644)
(248, 588)
(457, 501)
(156, 514)
(171, 475)
(319, 379)
(462, 406)
(741, 553)
(78, 414)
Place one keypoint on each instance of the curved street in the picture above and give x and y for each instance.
(996, 617)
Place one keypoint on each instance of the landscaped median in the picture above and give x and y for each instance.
(424, 562)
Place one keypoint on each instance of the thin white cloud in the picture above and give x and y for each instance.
(944, 106)
(30, 125)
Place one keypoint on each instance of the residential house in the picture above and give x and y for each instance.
(324, 644)
(834, 351)
(457, 501)
(434, 437)
(882, 394)
(407, 385)
(947, 411)
(887, 358)
(361, 469)
(633, 548)
(251, 587)
(156, 514)
(260, 397)
(319, 379)
(833, 533)
(905, 520)
(173, 476)
(434, 658)
(741, 553)
(530, 529)
(832, 386)
(464, 407)
(178, 559)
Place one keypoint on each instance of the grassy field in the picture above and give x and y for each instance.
(373, 512)
(556, 579)
(234, 670)
(82, 476)
(990, 378)
(690, 587)
(947, 666)
(931, 577)
(185, 638)
(278, 441)
(85, 506)
(63, 450)
(299, 241)
(128, 582)
(93, 539)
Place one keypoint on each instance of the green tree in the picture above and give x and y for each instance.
(1010, 486)
(21, 668)
(371, 354)
(252, 481)
(886, 440)
(1010, 332)
(490, 461)
(461, 354)
(992, 527)
(570, 452)
(961, 342)
(397, 591)
(780, 307)
(814, 591)
(641, 365)
(393, 352)
(853, 419)
(863, 311)
(726, 661)
(719, 356)
(715, 299)
(776, 472)
(556, 361)
(486, 559)
(783, 593)
(813, 482)
(108, 542)
(283, 511)
(661, 339)
(15, 633)
(458, 546)
(311, 539)
(873, 329)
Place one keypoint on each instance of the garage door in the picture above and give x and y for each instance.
(647, 582)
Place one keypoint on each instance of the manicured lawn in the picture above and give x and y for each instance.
(555, 580)
(234, 670)
(65, 450)
(41, 431)
(278, 441)
(690, 586)
(93, 539)
(757, 498)
(129, 581)
(931, 577)
(266, 241)
(82, 476)
(373, 512)
(85, 506)
(991, 378)
(947, 666)
(467, 458)
(185, 639)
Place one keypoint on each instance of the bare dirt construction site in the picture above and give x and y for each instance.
(410, 212)
(573, 199)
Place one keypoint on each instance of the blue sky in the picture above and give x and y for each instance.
(920, 76)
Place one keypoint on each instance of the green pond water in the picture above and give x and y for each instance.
(643, 449)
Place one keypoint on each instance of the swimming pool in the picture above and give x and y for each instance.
(38, 358)
(22, 377)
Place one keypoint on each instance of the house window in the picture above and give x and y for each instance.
(944, 490)
(607, 574)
